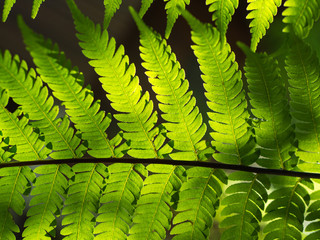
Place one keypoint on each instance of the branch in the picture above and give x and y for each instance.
(169, 162)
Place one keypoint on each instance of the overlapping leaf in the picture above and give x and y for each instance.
(136, 116)
(222, 81)
(285, 213)
(82, 201)
(244, 205)
(152, 217)
(274, 132)
(67, 85)
(198, 201)
(261, 13)
(300, 15)
(118, 201)
(183, 120)
(303, 69)
(222, 12)
(313, 217)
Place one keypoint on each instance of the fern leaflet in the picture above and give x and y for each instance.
(8, 4)
(222, 81)
(183, 120)
(118, 201)
(52, 65)
(83, 200)
(223, 11)
(145, 5)
(300, 16)
(313, 217)
(262, 13)
(285, 213)
(152, 216)
(274, 134)
(198, 201)
(244, 205)
(303, 70)
(110, 8)
(35, 7)
(136, 118)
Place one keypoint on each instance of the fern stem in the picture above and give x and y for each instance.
(216, 165)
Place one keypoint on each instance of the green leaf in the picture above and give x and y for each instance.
(268, 97)
(35, 7)
(152, 217)
(261, 13)
(313, 217)
(198, 201)
(13, 183)
(244, 205)
(136, 116)
(303, 68)
(222, 81)
(7, 6)
(300, 16)
(83, 199)
(222, 12)
(118, 201)
(110, 8)
(67, 85)
(145, 5)
(183, 120)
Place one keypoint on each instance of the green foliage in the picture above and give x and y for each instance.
(259, 118)
(8, 4)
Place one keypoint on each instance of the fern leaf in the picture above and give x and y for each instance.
(118, 201)
(136, 116)
(152, 215)
(285, 213)
(173, 11)
(313, 217)
(110, 8)
(7, 6)
(261, 13)
(222, 81)
(244, 205)
(145, 5)
(183, 120)
(35, 7)
(198, 201)
(83, 200)
(300, 15)
(223, 11)
(6, 151)
(303, 69)
(67, 85)
(26, 89)
(29, 146)
(13, 183)
(274, 134)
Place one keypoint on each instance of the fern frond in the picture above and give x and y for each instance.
(274, 134)
(152, 216)
(118, 201)
(303, 69)
(6, 151)
(313, 216)
(35, 7)
(47, 201)
(7, 5)
(244, 205)
(285, 213)
(173, 11)
(300, 15)
(27, 90)
(29, 146)
(110, 8)
(198, 201)
(13, 183)
(67, 85)
(145, 5)
(183, 120)
(222, 81)
(83, 200)
(222, 12)
(261, 13)
(136, 116)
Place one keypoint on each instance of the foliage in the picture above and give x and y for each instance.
(264, 114)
